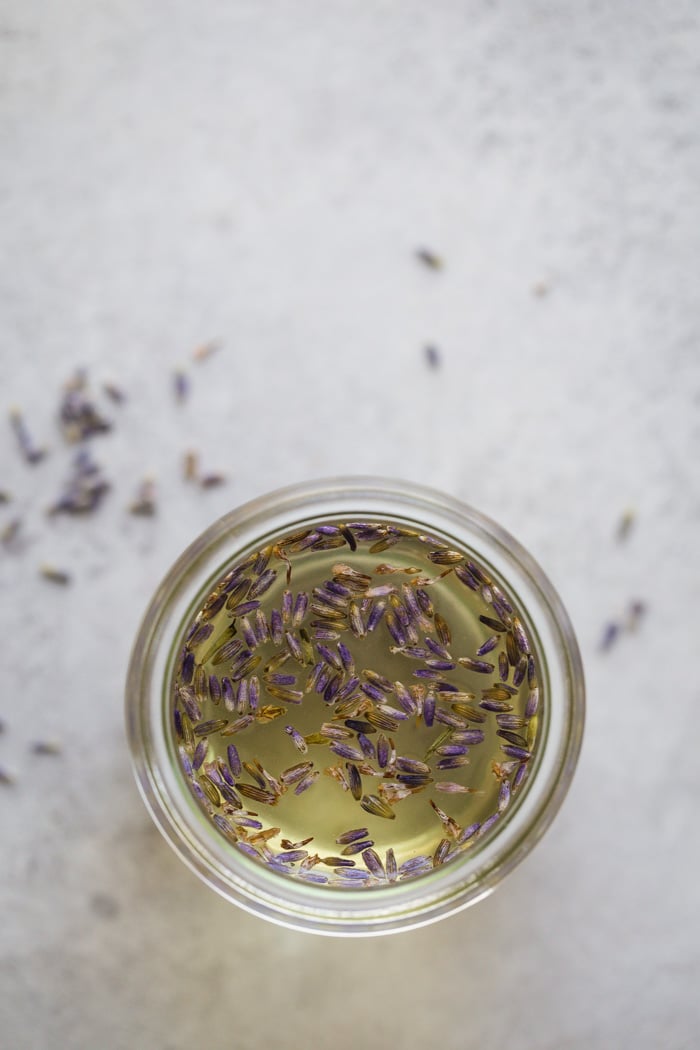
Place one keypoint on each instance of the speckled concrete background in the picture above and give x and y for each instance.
(262, 174)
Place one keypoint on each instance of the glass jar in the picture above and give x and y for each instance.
(394, 906)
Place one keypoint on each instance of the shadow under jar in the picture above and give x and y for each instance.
(354, 705)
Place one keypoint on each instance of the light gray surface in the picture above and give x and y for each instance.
(262, 174)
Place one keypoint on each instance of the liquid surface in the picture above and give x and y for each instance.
(355, 703)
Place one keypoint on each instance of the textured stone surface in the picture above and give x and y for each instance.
(262, 174)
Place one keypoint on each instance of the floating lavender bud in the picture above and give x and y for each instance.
(280, 679)
(335, 732)
(405, 698)
(448, 750)
(329, 693)
(237, 591)
(187, 668)
(214, 689)
(294, 774)
(395, 629)
(346, 658)
(488, 824)
(520, 672)
(250, 851)
(488, 645)
(366, 745)
(373, 863)
(349, 689)
(287, 606)
(415, 866)
(382, 751)
(200, 753)
(242, 695)
(307, 781)
(465, 576)
(185, 761)
(495, 705)
(294, 647)
(250, 640)
(260, 627)
(414, 780)
(297, 738)
(447, 718)
(520, 776)
(377, 807)
(330, 657)
(327, 630)
(328, 603)
(379, 680)
(427, 674)
(468, 833)
(263, 583)
(354, 781)
(356, 624)
(238, 725)
(354, 835)
(520, 636)
(480, 666)
(350, 876)
(212, 725)
(190, 705)
(503, 667)
(287, 696)
(453, 762)
(532, 704)
(513, 738)
(276, 626)
(468, 736)
(357, 847)
(413, 652)
(507, 721)
(502, 691)
(512, 650)
(300, 606)
(234, 760)
(372, 691)
(313, 876)
(253, 693)
(412, 765)
(344, 750)
(393, 712)
(257, 794)
(201, 634)
(494, 624)
(438, 664)
(531, 673)
(244, 608)
(516, 752)
(291, 856)
(225, 772)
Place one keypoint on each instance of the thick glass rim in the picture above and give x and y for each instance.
(328, 910)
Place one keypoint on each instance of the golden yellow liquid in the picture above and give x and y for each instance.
(327, 808)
